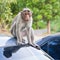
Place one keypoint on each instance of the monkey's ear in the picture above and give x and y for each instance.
(31, 13)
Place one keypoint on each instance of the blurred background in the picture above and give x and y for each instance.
(46, 13)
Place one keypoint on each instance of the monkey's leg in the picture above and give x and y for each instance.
(21, 40)
(23, 34)
(32, 41)
(29, 35)
(13, 32)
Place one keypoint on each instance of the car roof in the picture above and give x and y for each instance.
(24, 53)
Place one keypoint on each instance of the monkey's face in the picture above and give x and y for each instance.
(26, 14)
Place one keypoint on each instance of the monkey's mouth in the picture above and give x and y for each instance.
(26, 19)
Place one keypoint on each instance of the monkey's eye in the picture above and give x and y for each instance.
(25, 13)
(28, 11)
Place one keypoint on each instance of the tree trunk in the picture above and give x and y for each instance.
(48, 27)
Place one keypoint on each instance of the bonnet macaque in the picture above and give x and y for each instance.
(22, 26)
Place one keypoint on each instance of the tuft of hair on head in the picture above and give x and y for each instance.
(26, 9)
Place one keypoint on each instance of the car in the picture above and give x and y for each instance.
(51, 45)
(9, 51)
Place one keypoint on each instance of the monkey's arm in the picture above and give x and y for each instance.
(13, 25)
(29, 35)
(18, 30)
(32, 35)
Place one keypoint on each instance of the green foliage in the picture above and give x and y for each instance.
(55, 26)
(40, 25)
(42, 10)
(5, 14)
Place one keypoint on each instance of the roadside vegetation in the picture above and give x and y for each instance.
(46, 13)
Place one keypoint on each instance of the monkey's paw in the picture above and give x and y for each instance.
(38, 47)
(35, 46)
(20, 43)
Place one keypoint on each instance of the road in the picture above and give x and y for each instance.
(40, 31)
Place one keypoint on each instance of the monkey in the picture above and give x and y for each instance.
(22, 26)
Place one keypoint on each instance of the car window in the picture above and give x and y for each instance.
(52, 47)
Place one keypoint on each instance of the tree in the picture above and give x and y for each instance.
(46, 10)
(52, 9)
(5, 13)
(43, 10)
